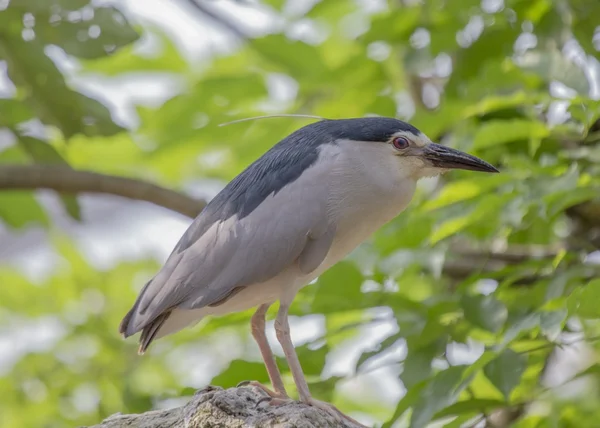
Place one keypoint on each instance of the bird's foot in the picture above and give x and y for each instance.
(271, 395)
(327, 407)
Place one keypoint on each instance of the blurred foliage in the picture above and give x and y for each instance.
(498, 265)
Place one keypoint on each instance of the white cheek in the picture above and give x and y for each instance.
(431, 172)
(417, 168)
(411, 166)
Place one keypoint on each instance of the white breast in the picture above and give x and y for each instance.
(368, 189)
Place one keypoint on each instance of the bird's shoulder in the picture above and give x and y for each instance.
(282, 165)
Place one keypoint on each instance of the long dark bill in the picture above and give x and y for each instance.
(446, 157)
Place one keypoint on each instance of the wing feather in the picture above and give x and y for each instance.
(289, 226)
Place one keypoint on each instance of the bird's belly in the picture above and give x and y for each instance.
(355, 229)
(348, 240)
(258, 294)
(352, 230)
(292, 278)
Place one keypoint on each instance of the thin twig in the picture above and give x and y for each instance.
(66, 180)
(270, 116)
(512, 254)
(219, 19)
(560, 345)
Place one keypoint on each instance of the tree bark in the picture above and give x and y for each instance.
(214, 407)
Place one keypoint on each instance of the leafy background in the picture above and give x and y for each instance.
(476, 307)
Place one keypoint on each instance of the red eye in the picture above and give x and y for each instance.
(400, 143)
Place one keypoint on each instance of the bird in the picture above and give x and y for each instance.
(296, 211)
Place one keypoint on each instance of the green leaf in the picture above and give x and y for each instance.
(241, 370)
(583, 302)
(324, 9)
(41, 152)
(393, 27)
(485, 311)
(381, 348)
(522, 323)
(417, 365)
(164, 59)
(313, 360)
(298, 59)
(552, 65)
(462, 190)
(13, 112)
(478, 365)
(552, 323)
(459, 422)
(455, 192)
(47, 94)
(175, 123)
(324, 389)
(505, 371)
(409, 399)
(560, 201)
(449, 228)
(20, 209)
(37, 7)
(443, 390)
(407, 231)
(339, 288)
(494, 103)
(498, 132)
(78, 38)
(474, 405)
(479, 218)
(496, 41)
(276, 4)
(593, 370)
(585, 25)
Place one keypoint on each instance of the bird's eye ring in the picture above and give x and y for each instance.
(400, 143)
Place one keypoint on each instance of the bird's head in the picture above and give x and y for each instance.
(411, 149)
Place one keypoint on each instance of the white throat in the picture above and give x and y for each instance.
(367, 190)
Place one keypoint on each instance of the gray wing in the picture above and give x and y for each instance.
(288, 226)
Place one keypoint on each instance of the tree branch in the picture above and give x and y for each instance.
(512, 254)
(234, 407)
(67, 180)
(459, 269)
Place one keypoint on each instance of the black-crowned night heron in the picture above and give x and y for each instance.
(291, 215)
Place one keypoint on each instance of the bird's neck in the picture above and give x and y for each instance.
(368, 189)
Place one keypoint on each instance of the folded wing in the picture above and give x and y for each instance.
(219, 255)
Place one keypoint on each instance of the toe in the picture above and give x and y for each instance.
(275, 401)
(261, 387)
(258, 385)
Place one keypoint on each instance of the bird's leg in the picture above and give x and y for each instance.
(258, 332)
(282, 328)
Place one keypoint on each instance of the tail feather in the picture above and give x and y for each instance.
(150, 330)
(125, 323)
(125, 328)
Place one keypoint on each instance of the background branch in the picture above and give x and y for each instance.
(67, 180)
(511, 254)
